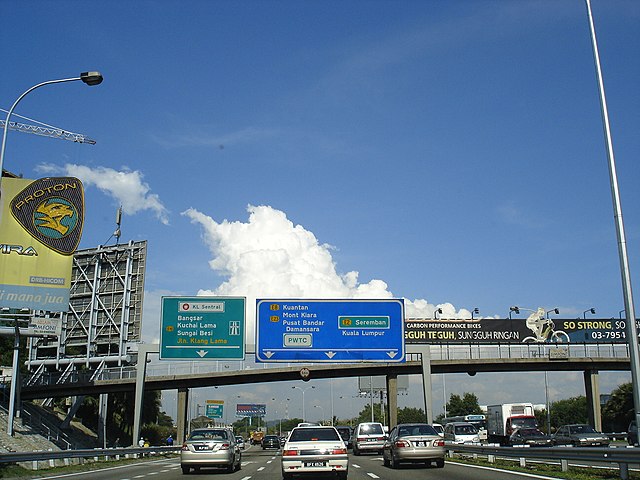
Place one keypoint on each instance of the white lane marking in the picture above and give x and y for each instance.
(245, 478)
(355, 465)
(261, 468)
(372, 475)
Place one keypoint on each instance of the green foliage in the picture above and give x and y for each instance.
(411, 415)
(541, 418)
(120, 412)
(571, 410)
(157, 434)
(465, 405)
(617, 413)
(365, 413)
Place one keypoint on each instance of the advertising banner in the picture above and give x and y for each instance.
(40, 228)
(251, 410)
(531, 330)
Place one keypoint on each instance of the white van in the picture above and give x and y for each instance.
(368, 437)
(461, 432)
(438, 428)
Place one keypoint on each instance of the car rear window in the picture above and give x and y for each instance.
(465, 430)
(313, 434)
(208, 435)
(371, 429)
(416, 430)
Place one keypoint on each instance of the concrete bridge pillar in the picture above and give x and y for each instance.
(592, 392)
(183, 406)
(392, 400)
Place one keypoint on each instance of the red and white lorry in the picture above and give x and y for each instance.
(504, 419)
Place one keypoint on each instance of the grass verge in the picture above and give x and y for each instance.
(13, 471)
(548, 470)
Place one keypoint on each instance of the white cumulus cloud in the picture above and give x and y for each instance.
(126, 187)
(270, 257)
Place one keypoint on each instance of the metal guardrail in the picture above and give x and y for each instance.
(623, 456)
(15, 457)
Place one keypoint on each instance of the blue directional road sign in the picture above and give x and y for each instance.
(343, 331)
(202, 328)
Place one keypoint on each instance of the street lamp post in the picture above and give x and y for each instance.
(515, 310)
(322, 410)
(625, 272)
(304, 390)
(591, 310)
(90, 78)
(553, 310)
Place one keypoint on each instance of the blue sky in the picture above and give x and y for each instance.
(450, 153)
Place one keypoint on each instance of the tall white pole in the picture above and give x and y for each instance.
(632, 332)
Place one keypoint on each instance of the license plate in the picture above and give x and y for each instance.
(315, 464)
(421, 444)
(202, 447)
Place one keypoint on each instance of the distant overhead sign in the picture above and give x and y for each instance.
(202, 328)
(251, 409)
(215, 408)
(330, 330)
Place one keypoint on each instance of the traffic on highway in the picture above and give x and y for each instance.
(259, 464)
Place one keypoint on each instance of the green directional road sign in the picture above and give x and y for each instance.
(215, 410)
(202, 328)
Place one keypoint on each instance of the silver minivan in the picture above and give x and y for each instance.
(368, 437)
(461, 432)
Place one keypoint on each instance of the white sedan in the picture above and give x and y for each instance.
(312, 450)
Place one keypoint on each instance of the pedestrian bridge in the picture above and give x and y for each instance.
(421, 359)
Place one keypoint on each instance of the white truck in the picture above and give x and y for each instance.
(504, 419)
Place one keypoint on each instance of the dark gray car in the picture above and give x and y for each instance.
(580, 435)
(531, 437)
(632, 434)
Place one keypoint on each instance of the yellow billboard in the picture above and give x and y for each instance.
(40, 228)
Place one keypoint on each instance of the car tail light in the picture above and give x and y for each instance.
(184, 447)
(224, 446)
(289, 453)
(438, 443)
(401, 444)
(338, 451)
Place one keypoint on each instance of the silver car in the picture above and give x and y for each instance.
(314, 450)
(210, 447)
(413, 443)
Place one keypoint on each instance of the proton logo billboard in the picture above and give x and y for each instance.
(40, 228)
(52, 211)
